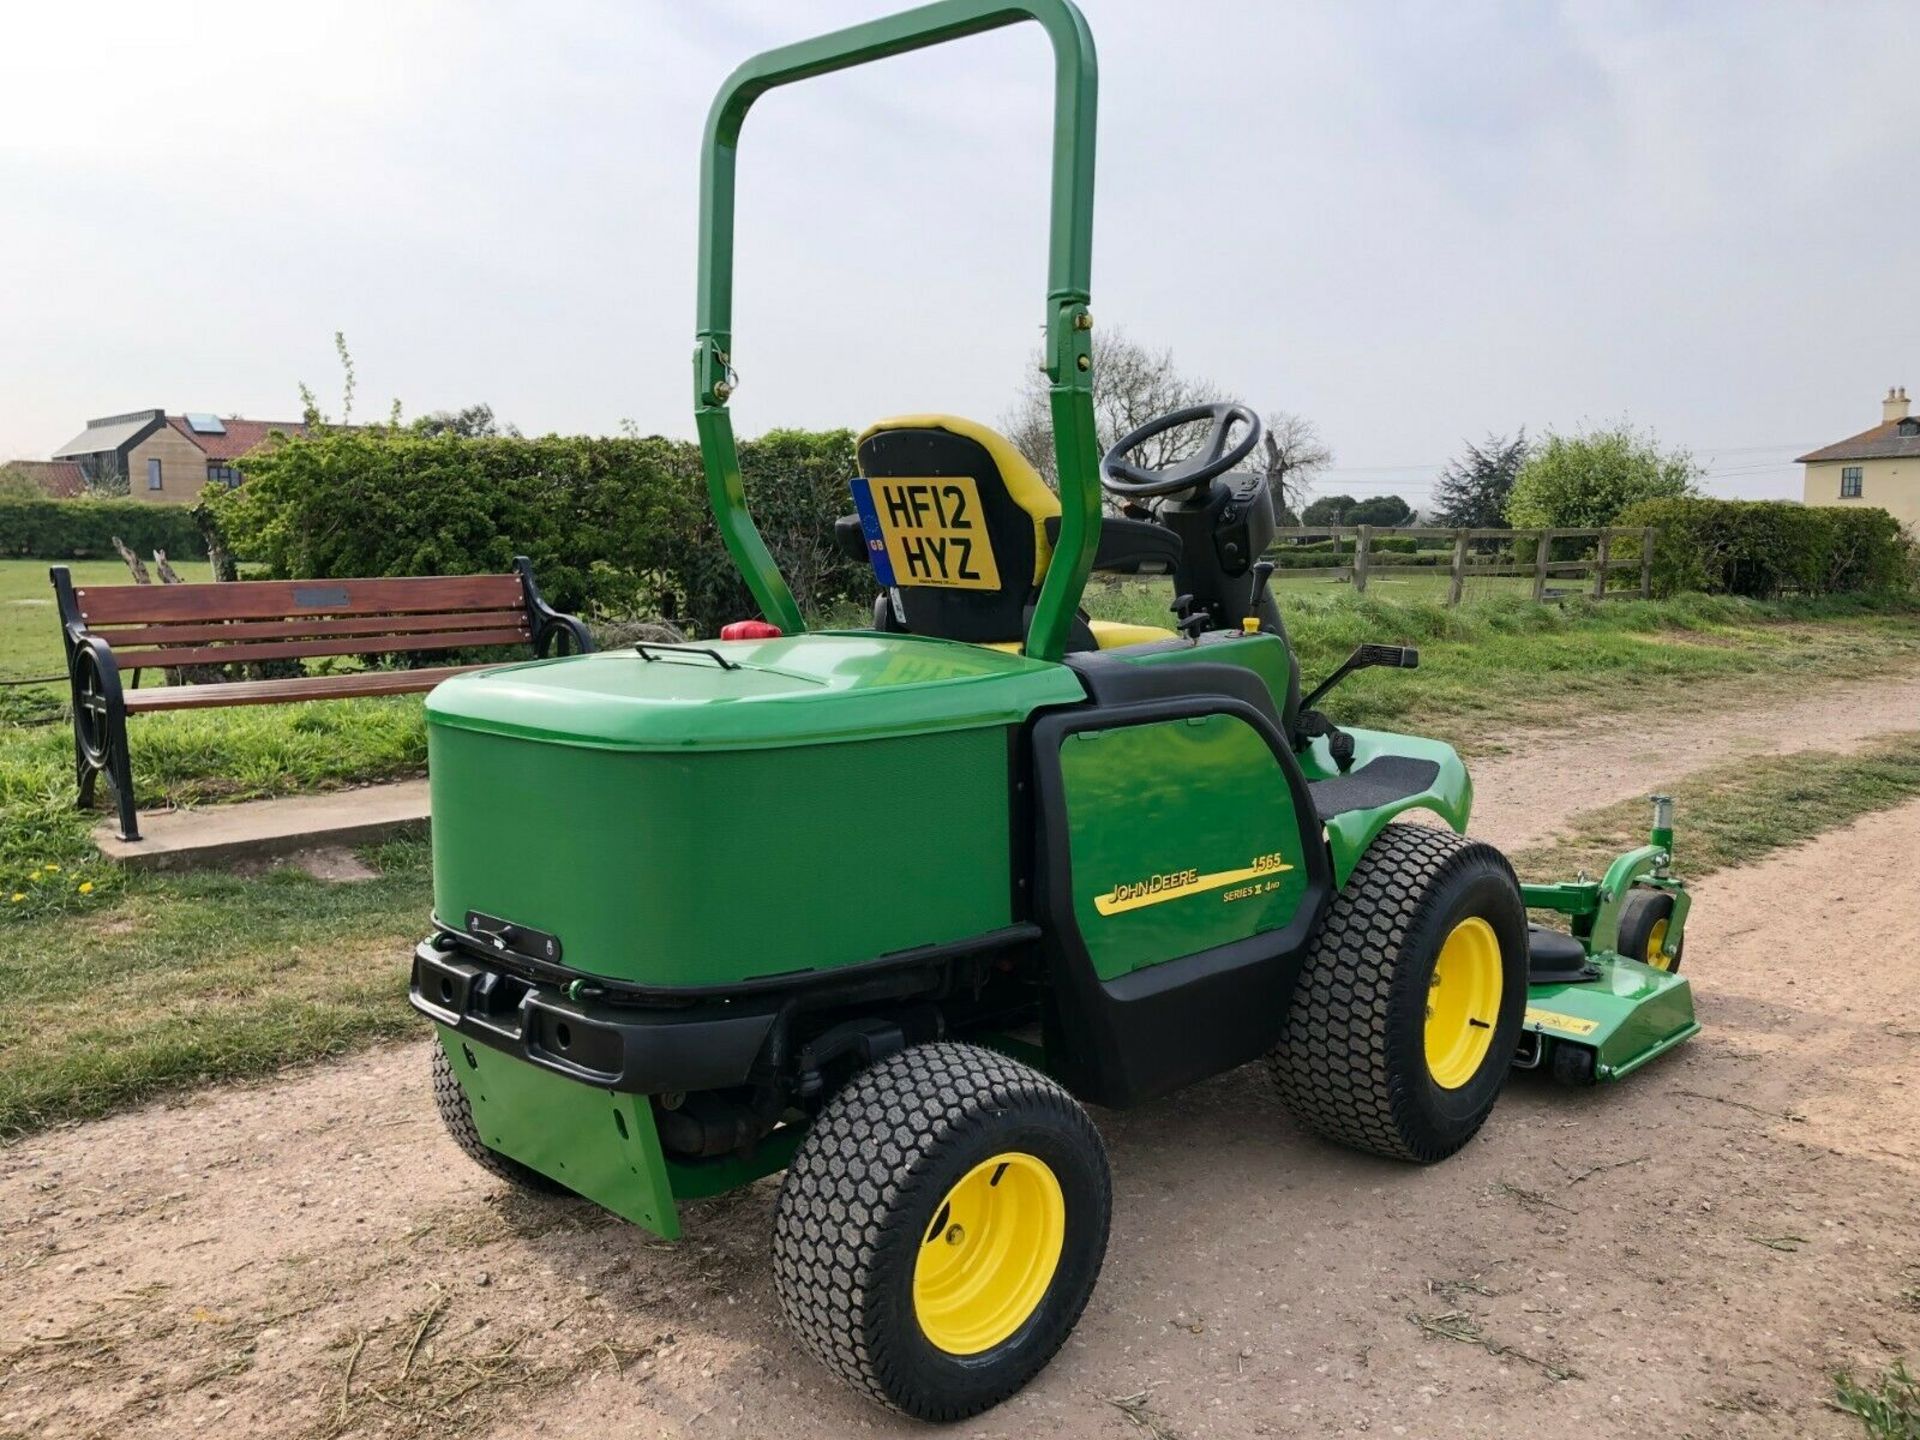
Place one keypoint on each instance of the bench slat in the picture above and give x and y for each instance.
(273, 692)
(311, 629)
(244, 652)
(279, 599)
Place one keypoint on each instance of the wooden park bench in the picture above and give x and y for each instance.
(112, 629)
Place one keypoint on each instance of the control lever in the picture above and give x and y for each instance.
(1262, 574)
(1399, 657)
(1188, 621)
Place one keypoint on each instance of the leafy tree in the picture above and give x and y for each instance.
(1132, 385)
(1380, 510)
(616, 526)
(1585, 480)
(1328, 510)
(469, 422)
(1473, 489)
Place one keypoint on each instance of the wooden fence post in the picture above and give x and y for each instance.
(1362, 535)
(1459, 577)
(1540, 565)
(1603, 555)
(1646, 563)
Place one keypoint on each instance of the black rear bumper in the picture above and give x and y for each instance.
(614, 1047)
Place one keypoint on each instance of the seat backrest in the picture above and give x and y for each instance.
(956, 520)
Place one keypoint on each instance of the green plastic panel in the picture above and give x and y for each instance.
(1183, 836)
(754, 694)
(708, 867)
(1629, 1015)
(1450, 795)
(597, 1143)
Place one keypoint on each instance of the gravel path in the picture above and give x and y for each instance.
(1689, 1253)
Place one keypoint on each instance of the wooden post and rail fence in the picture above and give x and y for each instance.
(1603, 554)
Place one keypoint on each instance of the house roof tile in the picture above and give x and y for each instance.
(240, 437)
(62, 479)
(1882, 442)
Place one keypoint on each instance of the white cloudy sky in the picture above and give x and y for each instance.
(1413, 223)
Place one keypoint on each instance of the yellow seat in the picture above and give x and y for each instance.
(1107, 635)
(963, 519)
(1112, 634)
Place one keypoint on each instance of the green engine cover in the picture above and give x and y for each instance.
(813, 802)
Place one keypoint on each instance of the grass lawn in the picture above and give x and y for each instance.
(1741, 811)
(1502, 663)
(29, 621)
(138, 982)
(1888, 1408)
(182, 979)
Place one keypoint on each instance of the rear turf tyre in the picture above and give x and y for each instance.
(941, 1228)
(1644, 918)
(1409, 1007)
(456, 1113)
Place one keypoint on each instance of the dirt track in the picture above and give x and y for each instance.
(1687, 1254)
(1522, 797)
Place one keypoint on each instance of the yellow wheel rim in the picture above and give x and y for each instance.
(989, 1253)
(1657, 955)
(1463, 1003)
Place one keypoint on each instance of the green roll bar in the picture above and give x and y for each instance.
(1069, 348)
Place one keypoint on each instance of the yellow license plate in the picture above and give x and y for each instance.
(935, 532)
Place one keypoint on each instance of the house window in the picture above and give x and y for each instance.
(153, 473)
(225, 474)
(1850, 482)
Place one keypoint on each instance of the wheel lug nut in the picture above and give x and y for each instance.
(955, 1234)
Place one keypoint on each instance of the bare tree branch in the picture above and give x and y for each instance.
(1133, 384)
(1290, 456)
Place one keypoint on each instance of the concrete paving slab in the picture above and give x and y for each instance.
(218, 835)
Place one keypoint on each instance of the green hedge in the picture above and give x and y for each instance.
(1764, 548)
(84, 529)
(613, 526)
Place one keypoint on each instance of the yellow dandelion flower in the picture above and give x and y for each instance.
(53, 869)
(86, 887)
(17, 896)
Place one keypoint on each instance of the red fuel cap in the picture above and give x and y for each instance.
(749, 630)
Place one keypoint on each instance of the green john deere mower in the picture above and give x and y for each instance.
(880, 908)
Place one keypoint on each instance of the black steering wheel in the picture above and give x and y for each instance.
(1136, 482)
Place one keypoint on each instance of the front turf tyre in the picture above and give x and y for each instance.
(456, 1113)
(1410, 1004)
(940, 1229)
(1645, 916)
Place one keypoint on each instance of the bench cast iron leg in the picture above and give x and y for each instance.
(120, 774)
(100, 735)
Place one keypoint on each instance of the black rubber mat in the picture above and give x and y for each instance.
(1378, 782)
